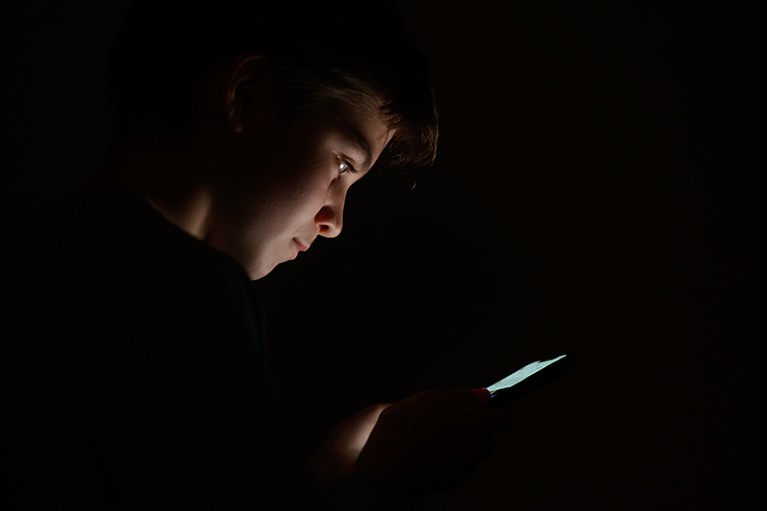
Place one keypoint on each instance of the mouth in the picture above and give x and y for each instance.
(300, 246)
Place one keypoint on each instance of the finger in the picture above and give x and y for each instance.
(495, 420)
(482, 394)
(484, 445)
(482, 421)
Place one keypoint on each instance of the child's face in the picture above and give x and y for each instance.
(290, 184)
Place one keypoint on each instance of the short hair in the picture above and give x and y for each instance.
(359, 51)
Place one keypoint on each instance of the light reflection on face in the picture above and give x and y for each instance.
(267, 215)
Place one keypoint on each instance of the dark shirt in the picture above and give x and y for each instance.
(135, 369)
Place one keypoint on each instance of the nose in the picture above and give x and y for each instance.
(329, 220)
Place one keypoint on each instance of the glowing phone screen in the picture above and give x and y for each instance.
(522, 373)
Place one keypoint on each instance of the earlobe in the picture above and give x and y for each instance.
(247, 88)
(235, 121)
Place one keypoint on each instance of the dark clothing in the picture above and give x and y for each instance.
(134, 369)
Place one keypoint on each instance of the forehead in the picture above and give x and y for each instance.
(364, 126)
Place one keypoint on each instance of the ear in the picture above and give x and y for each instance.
(247, 88)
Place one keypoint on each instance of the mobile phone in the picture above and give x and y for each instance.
(529, 378)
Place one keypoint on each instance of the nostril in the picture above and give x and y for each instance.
(329, 221)
(330, 231)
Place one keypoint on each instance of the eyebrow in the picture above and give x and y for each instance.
(359, 139)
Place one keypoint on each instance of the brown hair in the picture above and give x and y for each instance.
(357, 51)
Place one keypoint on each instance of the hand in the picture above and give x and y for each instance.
(337, 458)
(433, 441)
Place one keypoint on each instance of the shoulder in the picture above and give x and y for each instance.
(115, 257)
(114, 234)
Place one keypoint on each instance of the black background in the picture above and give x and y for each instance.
(584, 200)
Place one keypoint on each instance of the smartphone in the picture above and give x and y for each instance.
(529, 378)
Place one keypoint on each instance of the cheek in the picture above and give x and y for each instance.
(295, 202)
(304, 205)
(307, 189)
(290, 184)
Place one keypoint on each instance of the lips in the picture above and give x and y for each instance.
(301, 247)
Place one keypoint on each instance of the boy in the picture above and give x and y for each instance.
(136, 365)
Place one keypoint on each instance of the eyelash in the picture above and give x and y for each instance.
(349, 168)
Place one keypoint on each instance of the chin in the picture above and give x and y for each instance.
(258, 274)
(258, 271)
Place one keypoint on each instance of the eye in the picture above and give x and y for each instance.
(345, 167)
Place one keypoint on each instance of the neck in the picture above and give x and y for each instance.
(164, 171)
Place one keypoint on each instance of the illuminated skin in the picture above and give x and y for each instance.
(268, 219)
(252, 184)
(261, 189)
